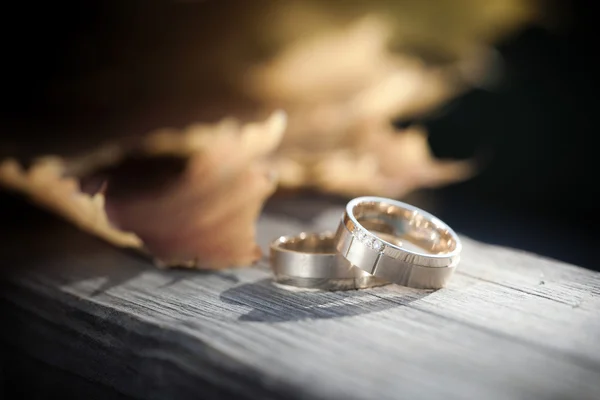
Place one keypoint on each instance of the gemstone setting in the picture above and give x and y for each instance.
(377, 245)
(368, 239)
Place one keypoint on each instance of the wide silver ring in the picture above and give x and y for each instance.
(309, 260)
(398, 242)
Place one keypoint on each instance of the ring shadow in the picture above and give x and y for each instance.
(272, 304)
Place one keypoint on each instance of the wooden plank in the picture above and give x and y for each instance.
(511, 325)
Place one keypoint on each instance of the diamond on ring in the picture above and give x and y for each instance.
(367, 239)
(377, 245)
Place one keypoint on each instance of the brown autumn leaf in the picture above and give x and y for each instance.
(389, 164)
(340, 87)
(341, 91)
(44, 184)
(205, 218)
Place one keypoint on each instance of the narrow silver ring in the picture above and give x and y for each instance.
(309, 260)
(398, 242)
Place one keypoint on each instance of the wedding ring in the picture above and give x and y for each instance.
(398, 242)
(309, 260)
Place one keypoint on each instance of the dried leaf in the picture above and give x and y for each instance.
(341, 91)
(390, 164)
(45, 185)
(206, 218)
(341, 87)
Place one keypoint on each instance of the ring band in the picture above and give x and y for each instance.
(309, 260)
(398, 242)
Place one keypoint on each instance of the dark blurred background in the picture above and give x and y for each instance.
(538, 188)
(532, 128)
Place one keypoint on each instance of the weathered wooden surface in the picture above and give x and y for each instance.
(510, 325)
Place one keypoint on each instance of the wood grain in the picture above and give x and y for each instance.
(511, 325)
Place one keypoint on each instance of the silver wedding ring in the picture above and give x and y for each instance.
(398, 242)
(378, 241)
(309, 260)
